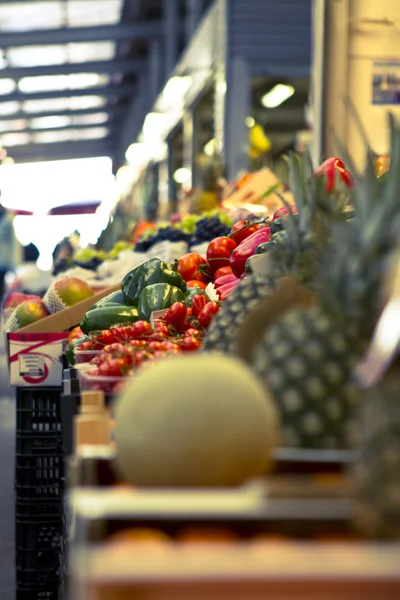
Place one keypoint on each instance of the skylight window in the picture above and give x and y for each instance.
(7, 86)
(80, 12)
(86, 51)
(96, 118)
(83, 102)
(90, 134)
(45, 105)
(13, 125)
(14, 139)
(57, 54)
(8, 108)
(69, 135)
(50, 122)
(62, 82)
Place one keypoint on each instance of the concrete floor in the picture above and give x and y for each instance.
(7, 446)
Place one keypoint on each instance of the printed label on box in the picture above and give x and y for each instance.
(35, 358)
(31, 365)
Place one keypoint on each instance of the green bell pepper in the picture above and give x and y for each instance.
(114, 299)
(70, 350)
(148, 273)
(108, 316)
(190, 294)
(158, 296)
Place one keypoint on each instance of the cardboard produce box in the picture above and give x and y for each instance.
(34, 351)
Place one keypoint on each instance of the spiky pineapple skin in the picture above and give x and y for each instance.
(375, 474)
(223, 331)
(305, 360)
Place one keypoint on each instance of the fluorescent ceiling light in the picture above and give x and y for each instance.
(13, 125)
(182, 175)
(94, 133)
(176, 88)
(50, 122)
(8, 108)
(279, 94)
(62, 82)
(153, 127)
(49, 137)
(14, 139)
(209, 148)
(55, 104)
(86, 51)
(7, 86)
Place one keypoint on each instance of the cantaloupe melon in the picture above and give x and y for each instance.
(194, 421)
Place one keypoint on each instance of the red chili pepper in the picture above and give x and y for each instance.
(198, 303)
(332, 169)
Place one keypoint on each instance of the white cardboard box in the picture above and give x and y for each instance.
(36, 359)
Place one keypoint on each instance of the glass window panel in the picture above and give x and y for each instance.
(36, 56)
(49, 137)
(52, 104)
(90, 134)
(62, 82)
(80, 103)
(25, 16)
(85, 51)
(50, 122)
(7, 86)
(96, 118)
(14, 139)
(81, 13)
(8, 108)
(13, 125)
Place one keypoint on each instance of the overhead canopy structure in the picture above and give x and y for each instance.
(76, 76)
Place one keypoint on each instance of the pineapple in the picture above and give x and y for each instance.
(307, 357)
(376, 471)
(293, 251)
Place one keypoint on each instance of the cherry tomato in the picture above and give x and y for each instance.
(193, 332)
(141, 329)
(219, 251)
(160, 327)
(198, 303)
(105, 337)
(242, 229)
(195, 283)
(221, 272)
(111, 348)
(113, 367)
(142, 356)
(193, 266)
(176, 315)
(208, 313)
(138, 343)
(190, 344)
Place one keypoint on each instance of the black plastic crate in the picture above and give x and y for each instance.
(43, 492)
(39, 470)
(38, 411)
(38, 578)
(39, 510)
(47, 593)
(32, 444)
(47, 561)
(40, 535)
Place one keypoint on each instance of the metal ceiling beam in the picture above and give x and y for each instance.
(66, 35)
(63, 150)
(58, 129)
(107, 91)
(110, 109)
(106, 66)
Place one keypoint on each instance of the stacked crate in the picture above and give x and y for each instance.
(39, 487)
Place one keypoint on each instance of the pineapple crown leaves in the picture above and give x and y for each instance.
(357, 259)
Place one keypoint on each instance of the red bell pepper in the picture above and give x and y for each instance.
(246, 249)
(224, 291)
(224, 280)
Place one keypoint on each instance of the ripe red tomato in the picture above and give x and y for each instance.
(193, 266)
(196, 283)
(219, 251)
(105, 337)
(190, 344)
(112, 367)
(176, 315)
(138, 343)
(208, 313)
(160, 328)
(115, 347)
(242, 229)
(141, 329)
(192, 331)
(222, 272)
(198, 303)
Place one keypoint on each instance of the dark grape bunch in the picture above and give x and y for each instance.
(91, 264)
(165, 234)
(207, 230)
